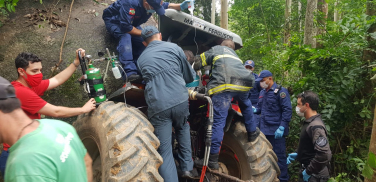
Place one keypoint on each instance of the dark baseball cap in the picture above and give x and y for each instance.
(156, 4)
(264, 74)
(148, 31)
(249, 63)
(4, 92)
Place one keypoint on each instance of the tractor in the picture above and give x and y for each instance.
(120, 139)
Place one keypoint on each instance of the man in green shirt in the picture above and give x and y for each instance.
(43, 150)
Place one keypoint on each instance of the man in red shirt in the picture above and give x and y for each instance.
(29, 87)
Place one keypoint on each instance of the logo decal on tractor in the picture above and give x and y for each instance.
(132, 11)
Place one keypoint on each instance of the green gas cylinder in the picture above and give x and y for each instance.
(95, 81)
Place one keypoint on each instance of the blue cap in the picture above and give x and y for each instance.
(148, 31)
(264, 74)
(249, 63)
(156, 4)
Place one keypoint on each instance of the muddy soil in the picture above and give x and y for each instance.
(86, 30)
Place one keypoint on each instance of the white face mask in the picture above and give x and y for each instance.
(301, 114)
(264, 85)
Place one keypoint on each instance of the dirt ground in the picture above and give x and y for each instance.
(86, 30)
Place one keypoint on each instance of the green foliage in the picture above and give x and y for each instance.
(6, 7)
(338, 72)
(369, 166)
(9, 5)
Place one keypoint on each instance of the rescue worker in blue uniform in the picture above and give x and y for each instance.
(255, 91)
(165, 70)
(274, 107)
(228, 79)
(123, 19)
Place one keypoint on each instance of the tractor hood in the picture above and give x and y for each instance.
(180, 28)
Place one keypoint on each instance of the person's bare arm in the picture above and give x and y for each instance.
(174, 6)
(63, 76)
(135, 32)
(89, 170)
(64, 112)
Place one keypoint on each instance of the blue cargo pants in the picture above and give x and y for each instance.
(279, 148)
(163, 122)
(129, 47)
(221, 105)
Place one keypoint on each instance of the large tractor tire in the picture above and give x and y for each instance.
(121, 142)
(248, 160)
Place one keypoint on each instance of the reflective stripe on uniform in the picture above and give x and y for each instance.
(228, 86)
(226, 56)
(203, 59)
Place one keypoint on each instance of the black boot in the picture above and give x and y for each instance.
(213, 162)
(193, 174)
(253, 135)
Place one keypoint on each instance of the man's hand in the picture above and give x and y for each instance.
(279, 132)
(305, 175)
(184, 5)
(291, 157)
(89, 106)
(63, 76)
(77, 60)
(254, 109)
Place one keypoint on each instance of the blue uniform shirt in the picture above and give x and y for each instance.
(275, 110)
(255, 91)
(166, 71)
(128, 14)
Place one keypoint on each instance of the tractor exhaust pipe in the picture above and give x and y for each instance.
(193, 95)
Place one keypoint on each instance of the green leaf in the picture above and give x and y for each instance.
(13, 8)
(41, 1)
(372, 160)
(2, 4)
(362, 115)
(362, 101)
(96, 13)
(367, 172)
(15, 2)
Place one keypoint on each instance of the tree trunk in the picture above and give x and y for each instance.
(224, 14)
(370, 56)
(322, 7)
(300, 15)
(372, 145)
(309, 27)
(287, 22)
(213, 12)
(336, 17)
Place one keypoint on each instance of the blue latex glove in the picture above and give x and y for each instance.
(305, 176)
(279, 132)
(254, 109)
(291, 157)
(184, 5)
